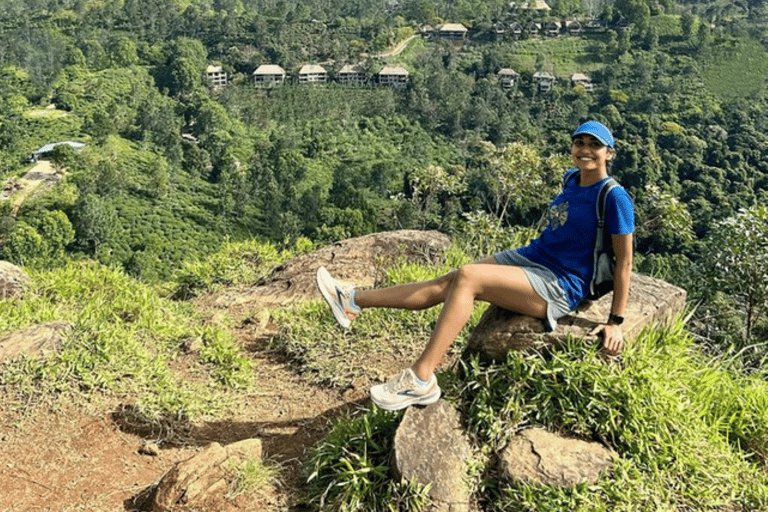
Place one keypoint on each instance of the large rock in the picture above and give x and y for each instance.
(35, 340)
(203, 478)
(538, 456)
(358, 260)
(500, 331)
(431, 447)
(13, 281)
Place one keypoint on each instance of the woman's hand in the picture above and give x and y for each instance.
(613, 338)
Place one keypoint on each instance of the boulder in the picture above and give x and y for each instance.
(358, 260)
(203, 478)
(537, 456)
(35, 340)
(431, 447)
(499, 330)
(13, 281)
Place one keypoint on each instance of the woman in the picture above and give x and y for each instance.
(546, 279)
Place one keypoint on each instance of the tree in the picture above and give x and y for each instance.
(96, 222)
(39, 244)
(510, 175)
(187, 60)
(738, 262)
(637, 13)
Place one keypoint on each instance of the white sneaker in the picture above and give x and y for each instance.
(403, 391)
(340, 296)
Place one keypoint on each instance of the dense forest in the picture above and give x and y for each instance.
(173, 168)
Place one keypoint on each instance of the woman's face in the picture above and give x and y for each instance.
(589, 154)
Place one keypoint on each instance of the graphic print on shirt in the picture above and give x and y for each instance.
(558, 215)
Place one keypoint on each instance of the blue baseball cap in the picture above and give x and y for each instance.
(597, 130)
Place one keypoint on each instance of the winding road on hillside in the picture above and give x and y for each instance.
(17, 190)
(397, 49)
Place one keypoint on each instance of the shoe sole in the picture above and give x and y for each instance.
(421, 400)
(323, 274)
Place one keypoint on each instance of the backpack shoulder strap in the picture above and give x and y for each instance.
(571, 173)
(602, 199)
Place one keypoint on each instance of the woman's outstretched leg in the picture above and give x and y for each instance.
(346, 300)
(502, 285)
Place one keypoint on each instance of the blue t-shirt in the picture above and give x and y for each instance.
(566, 246)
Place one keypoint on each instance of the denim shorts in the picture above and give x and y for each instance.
(544, 283)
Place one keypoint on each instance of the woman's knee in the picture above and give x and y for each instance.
(465, 276)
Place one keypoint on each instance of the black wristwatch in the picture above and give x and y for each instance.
(615, 319)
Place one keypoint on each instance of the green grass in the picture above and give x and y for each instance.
(736, 68)
(235, 263)
(249, 475)
(685, 435)
(124, 343)
(562, 56)
(349, 469)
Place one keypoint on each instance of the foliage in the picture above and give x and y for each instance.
(739, 251)
(124, 341)
(733, 69)
(174, 169)
(234, 264)
(349, 469)
(41, 244)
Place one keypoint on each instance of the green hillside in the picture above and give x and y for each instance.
(184, 191)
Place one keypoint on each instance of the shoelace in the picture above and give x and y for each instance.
(400, 383)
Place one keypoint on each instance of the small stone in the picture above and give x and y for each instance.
(537, 456)
(149, 448)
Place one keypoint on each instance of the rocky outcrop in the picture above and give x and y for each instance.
(500, 331)
(36, 340)
(13, 281)
(203, 478)
(537, 456)
(431, 447)
(359, 260)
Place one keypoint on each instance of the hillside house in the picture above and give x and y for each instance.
(582, 80)
(551, 28)
(507, 77)
(453, 31)
(595, 25)
(313, 74)
(352, 75)
(268, 75)
(544, 81)
(216, 77)
(394, 76)
(533, 29)
(574, 28)
(45, 151)
(516, 29)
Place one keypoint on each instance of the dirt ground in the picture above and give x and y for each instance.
(77, 457)
(36, 179)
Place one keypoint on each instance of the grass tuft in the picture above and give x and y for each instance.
(349, 469)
